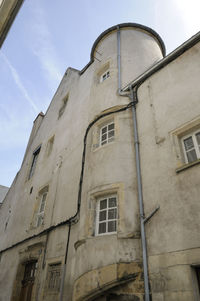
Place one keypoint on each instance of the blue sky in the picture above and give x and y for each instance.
(49, 36)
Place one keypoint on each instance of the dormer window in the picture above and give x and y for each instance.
(104, 76)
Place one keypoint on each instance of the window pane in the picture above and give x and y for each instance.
(111, 134)
(112, 213)
(111, 126)
(191, 155)
(112, 226)
(43, 202)
(102, 228)
(103, 131)
(198, 138)
(102, 215)
(39, 221)
(103, 204)
(112, 202)
(188, 143)
(103, 142)
(104, 137)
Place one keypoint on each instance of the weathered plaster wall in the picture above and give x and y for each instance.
(168, 102)
(109, 264)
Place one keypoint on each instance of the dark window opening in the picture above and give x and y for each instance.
(197, 270)
(28, 281)
(34, 161)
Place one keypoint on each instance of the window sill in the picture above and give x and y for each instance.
(98, 146)
(187, 165)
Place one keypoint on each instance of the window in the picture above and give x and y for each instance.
(104, 76)
(107, 133)
(106, 222)
(40, 214)
(54, 275)
(28, 281)
(34, 161)
(191, 146)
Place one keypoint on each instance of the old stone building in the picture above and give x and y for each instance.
(106, 204)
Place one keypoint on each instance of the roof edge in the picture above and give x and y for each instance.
(124, 25)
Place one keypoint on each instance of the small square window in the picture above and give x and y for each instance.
(191, 146)
(106, 218)
(104, 76)
(107, 133)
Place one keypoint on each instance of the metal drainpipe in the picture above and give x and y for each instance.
(133, 98)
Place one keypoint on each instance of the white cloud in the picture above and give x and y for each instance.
(19, 83)
(42, 46)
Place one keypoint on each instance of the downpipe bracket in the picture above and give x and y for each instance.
(145, 220)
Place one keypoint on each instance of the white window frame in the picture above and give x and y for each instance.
(105, 76)
(40, 214)
(195, 143)
(106, 220)
(108, 139)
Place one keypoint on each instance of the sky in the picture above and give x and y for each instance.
(47, 37)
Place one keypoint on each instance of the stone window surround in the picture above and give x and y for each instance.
(51, 261)
(93, 196)
(177, 136)
(33, 252)
(97, 131)
(36, 207)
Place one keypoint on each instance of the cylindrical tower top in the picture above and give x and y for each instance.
(143, 28)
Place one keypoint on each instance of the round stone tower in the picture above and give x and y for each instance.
(108, 248)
